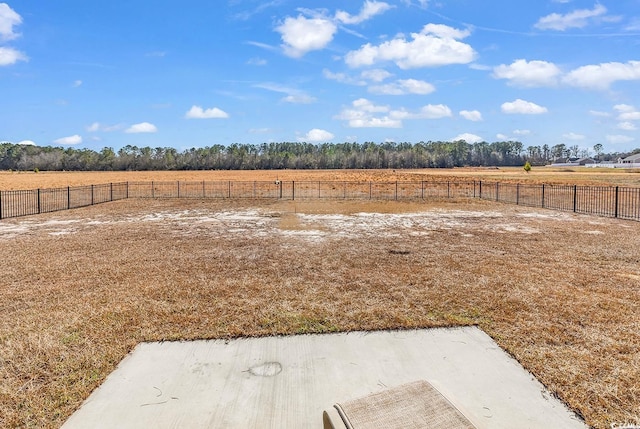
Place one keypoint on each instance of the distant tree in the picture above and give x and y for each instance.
(597, 148)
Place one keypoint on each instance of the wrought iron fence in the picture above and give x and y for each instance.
(608, 201)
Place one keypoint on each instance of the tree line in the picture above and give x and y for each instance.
(290, 155)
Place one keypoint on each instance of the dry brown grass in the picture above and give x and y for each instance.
(80, 289)
(580, 176)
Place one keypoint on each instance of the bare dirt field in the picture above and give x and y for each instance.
(579, 176)
(80, 288)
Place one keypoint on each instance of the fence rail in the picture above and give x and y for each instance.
(608, 201)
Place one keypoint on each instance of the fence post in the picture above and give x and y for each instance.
(448, 189)
(293, 190)
(153, 190)
(575, 198)
(68, 197)
(204, 193)
(617, 200)
(178, 189)
(370, 190)
(127, 190)
(517, 194)
(396, 190)
(92, 198)
(280, 189)
(0, 205)
(543, 195)
(497, 191)
(111, 191)
(344, 190)
(481, 189)
(229, 192)
(39, 211)
(423, 189)
(474, 189)
(318, 189)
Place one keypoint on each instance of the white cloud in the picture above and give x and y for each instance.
(77, 83)
(471, 115)
(601, 76)
(317, 135)
(629, 116)
(97, 126)
(501, 136)
(624, 108)
(342, 78)
(402, 87)
(367, 106)
(384, 122)
(27, 143)
(143, 127)
(467, 137)
(301, 35)
(94, 127)
(71, 140)
(523, 107)
(627, 112)
(521, 132)
(8, 19)
(364, 113)
(619, 139)
(599, 113)
(361, 115)
(299, 99)
(579, 18)
(435, 45)
(528, 73)
(369, 10)
(573, 136)
(197, 112)
(376, 75)
(430, 111)
(627, 126)
(437, 111)
(9, 56)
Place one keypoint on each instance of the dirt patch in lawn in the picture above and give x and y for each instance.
(79, 289)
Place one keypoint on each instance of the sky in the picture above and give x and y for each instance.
(94, 74)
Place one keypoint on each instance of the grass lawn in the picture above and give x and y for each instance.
(79, 289)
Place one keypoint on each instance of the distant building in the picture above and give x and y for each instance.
(633, 159)
(572, 162)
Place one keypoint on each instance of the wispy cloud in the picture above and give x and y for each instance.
(368, 11)
(292, 95)
(579, 18)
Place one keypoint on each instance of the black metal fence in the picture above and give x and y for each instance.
(35, 201)
(608, 201)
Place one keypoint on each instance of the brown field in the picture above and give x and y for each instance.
(579, 176)
(80, 288)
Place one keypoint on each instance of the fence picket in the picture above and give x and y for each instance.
(616, 202)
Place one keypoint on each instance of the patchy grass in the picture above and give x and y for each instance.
(79, 289)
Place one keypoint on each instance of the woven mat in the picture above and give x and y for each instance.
(415, 405)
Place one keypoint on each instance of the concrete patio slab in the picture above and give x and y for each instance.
(287, 382)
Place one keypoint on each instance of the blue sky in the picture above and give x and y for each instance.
(198, 73)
